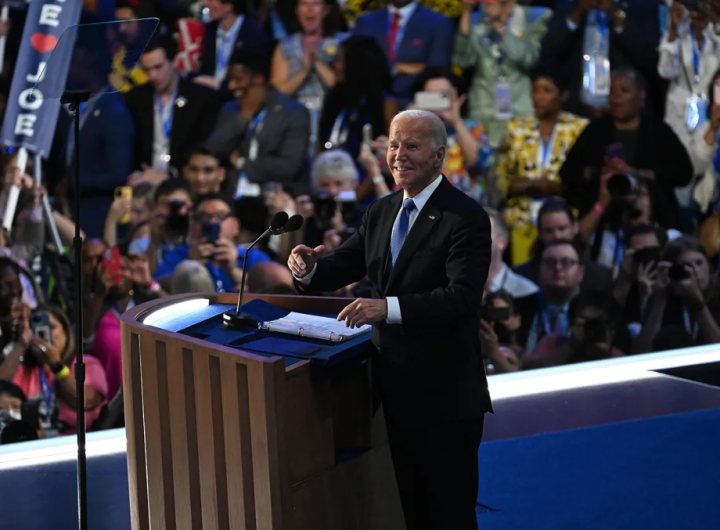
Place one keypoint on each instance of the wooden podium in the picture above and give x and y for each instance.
(219, 438)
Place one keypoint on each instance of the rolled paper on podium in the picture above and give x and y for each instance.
(14, 193)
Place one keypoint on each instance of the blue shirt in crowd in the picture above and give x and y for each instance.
(223, 282)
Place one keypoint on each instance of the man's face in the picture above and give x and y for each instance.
(239, 80)
(204, 174)
(158, 68)
(333, 185)
(216, 211)
(217, 8)
(555, 226)
(129, 30)
(699, 265)
(9, 403)
(411, 156)
(560, 267)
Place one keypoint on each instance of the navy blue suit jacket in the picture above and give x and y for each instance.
(250, 34)
(427, 39)
(107, 139)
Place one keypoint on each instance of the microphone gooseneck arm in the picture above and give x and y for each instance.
(244, 269)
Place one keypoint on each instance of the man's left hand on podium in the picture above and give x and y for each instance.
(363, 311)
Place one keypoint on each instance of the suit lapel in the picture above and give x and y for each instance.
(179, 117)
(386, 224)
(408, 34)
(427, 219)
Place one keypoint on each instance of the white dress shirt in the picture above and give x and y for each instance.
(393, 305)
(512, 283)
(405, 13)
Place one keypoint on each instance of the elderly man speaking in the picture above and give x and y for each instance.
(426, 252)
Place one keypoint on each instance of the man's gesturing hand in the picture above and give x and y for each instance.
(302, 259)
(363, 311)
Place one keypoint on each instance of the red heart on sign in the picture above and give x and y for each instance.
(43, 43)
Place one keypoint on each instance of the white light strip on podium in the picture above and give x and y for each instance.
(160, 317)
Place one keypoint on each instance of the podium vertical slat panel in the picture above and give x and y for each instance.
(221, 471)
(236, 425)
(168, 467)
(179, 439)
(192, 437)
(135, 431)
(266, 454)
(205, 438)
(154, 468)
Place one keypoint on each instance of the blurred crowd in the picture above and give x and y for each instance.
(588, 129)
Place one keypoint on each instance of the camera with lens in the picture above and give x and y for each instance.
(326, 206)
(176, 223)
(494, 315)
(20, 426)
(678, 273)
(595, 331)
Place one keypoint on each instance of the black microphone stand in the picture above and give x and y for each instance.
(74, 98)
(235, 319)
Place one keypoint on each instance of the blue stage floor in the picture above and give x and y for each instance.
(658, 473)
(661, 473)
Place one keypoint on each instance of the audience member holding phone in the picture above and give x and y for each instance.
(684, 308)
(706, 156)
(499, 323)
(468, 153)
(45, 372)
(213, 236)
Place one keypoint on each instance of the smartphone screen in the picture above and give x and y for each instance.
(40, 324)
(367, 133)
(432, 100)
(112, 264)
(124, 192)
(716, 92)
(211, 232)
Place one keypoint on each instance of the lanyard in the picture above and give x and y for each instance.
(691, 327)
(546, 149)
(340, 131)
(254, 131)
(696, 52)
(224, 45)
(545, 319)
(619, 248)
(48, 393)
(165, 112)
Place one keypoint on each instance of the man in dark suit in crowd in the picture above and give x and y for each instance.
(229, 30)
(426, 252)
(263, 133)
(171, 113)
(413, 38)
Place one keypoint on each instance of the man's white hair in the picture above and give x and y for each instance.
(334, 163)
(437, 129)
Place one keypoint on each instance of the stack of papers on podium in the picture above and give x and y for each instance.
(314, 327)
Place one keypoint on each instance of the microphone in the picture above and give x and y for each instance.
(234, 319)
(294, 223)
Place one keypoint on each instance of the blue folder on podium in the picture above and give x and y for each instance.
(206, 324)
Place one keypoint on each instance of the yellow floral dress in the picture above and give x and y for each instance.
(522, 157)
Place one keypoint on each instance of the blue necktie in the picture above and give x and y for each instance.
(401, 230)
